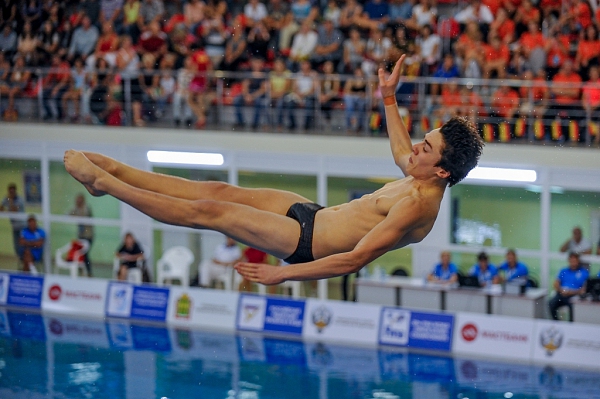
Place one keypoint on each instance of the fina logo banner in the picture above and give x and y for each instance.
(251, 312)
(401, 327)
(137, 302)
(119, 300)
(567, 343)
(24, 291)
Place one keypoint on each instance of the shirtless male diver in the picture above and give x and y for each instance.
(318, 242)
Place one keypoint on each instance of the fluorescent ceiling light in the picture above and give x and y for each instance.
(538, 189)
(188, 158)
(503, 174)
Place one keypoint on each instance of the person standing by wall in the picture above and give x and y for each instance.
(14, 203)
(84, 231)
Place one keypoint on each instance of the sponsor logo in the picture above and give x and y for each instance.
(250, 310)
(120, 297)
(469, 332)
(321, 317)
(55, 292)
(395, 326)
(551, 339)
(183, 306)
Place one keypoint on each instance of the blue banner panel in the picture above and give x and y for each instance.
(155, 339)
(431, 331)
(149, 303)
(30, 326)
(25, 291)
(284, 315)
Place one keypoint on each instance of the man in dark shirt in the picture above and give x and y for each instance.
(253, 93)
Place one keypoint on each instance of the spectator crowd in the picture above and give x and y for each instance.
(106, 56)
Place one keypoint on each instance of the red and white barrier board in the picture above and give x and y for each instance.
(341, 321)
(567, 343)
(486, 335)
(81, 296)
(202, 308)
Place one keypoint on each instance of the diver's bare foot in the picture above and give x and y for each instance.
(83, 171)
(102, 161)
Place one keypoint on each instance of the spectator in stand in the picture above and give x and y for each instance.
(55, 84)
(9, 13)
(567, 93)
(278, 16)
(84, 40)
(279, 87)
(429, 45)
(128, 64)
(329, 90)
(354, 52)
(486, 273)
(150, 11)
(377, 51)
(305, 42)
(200, 92)
(65, 38)
(570, 282)
(14, 203)
(217, 7)
(333, 13)
(110, 11)
(148, 87)
(129, 254)
(526, 13)
(258, 41)
(376, 15)
(477, 12)
(355, 101)
(255, 12)
(497, 57)
(534, 99)
(179, 44)
(193, 12)
(472, 105)
(106, 47)
(350, 15)
(302, 96)
(577, 243)
(505, 103)
(328, 47)
(446, 70)
(8, 41)
(303, 13)
(153, 41)
(423, 13)
(31, 245)
(400, 43)
(518, 65)
(254, 89)
(84, 231)
(235, 49)
(31, 13)
(467, 40)
(27, 45)
(91, 9)
(591, 98)
(181, 109)
(512, 269)
(450, 102)
(131, 13)
(579, 12)
(400, 13)
(77, 86)
(214, 36)
(557, 51)
(503, 27)
(48, 40)
(444, 272)
(225, 256)
(16, 80)
(550, 7)
(165, 82)
(532, 44)
(588, 51)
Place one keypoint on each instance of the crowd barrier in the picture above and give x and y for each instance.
(311, 320)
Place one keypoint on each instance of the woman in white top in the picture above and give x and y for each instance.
(422, 14)
(255, 11)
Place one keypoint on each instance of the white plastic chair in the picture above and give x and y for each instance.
(175, 264)
(225, 278)
(134, 275)
(74, 265)
(295, 286)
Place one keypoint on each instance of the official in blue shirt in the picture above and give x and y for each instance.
(512, 268)
(445, 271)
(571, 281)
(31, 243)
(486, 273)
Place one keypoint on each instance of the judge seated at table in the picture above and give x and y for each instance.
(486, 273)
(512, 269)
(444, 272)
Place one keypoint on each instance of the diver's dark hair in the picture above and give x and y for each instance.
(462, 148)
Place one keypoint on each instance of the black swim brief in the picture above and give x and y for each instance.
(304, 213)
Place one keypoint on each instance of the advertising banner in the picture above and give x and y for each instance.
(118, 299)
(84, 332)
(401, 327)
(202, 308)
(137, 302)
(284, 315)
(25, 325)
(341, 321)
(566, 343)
(152, 338)
(251, 312)
(499, 336)
(359, 364)
(66, 295)
(24, 291)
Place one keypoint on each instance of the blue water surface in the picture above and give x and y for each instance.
(61, 357)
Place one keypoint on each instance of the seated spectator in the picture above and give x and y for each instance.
(591, 97)
(450, 101)
(129, 254)
(128, 64)
(355, 101)
(200, 92)
(400, 43)
(534, 99)
(225, 256)
(505, 103)
(423, 13)
(254, 89)
(106, 47)
(588, 51)
(503, 27)
(376, 15)
(153, 41)
(400, 12)
(27, 44)
(303, 46)
(557, 51)
(8, 41)
(466, 41)
(333, 13)
(48, 40)
(14, 81)
(55, 84)
(77, 86)
(472, 105)
(258, 41)
(497, 57)
(512, 269)
(486, 273)
(166, 84)
(350, 15)
(329, 90)
(148, 86)
(577, 243)
(303, 12)
(235, 49)
(302, 95)
(328, 47)
(571, 281)
(579, 13)
(32, 13)
(214, 35)
(84, 40)
(65, 38)
(181, 109)
(377, 51)
(447, 70)
(278, 17)
(524, 14)
(150, 11)
(131, 14)
(477, 12)
(9, 13)
(179, 44)
(255, 12)
(193, 12)
(566, 93)
(445, 271)
(279, 87)
(31, 245)
(532, 45)
(354, 50)
(429, 45)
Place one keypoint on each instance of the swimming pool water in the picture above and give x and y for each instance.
(61, 357)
